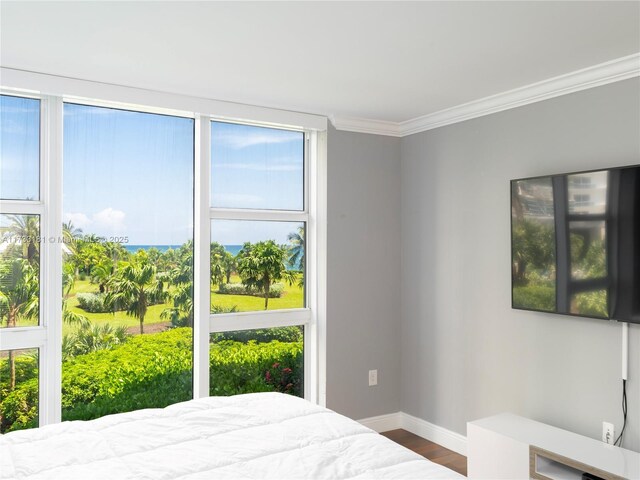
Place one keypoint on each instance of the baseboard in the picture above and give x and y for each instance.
(383, 423)
(434, 433)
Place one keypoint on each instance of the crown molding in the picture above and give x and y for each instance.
(590, 77)
(364, 125)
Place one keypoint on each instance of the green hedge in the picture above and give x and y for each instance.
(92, 302)
(275, 291)
(282, 334)
(154, 370)
(535, 297)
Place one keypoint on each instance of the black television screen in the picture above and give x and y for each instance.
(575, 244)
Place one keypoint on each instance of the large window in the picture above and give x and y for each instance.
(128, 260)
(149, 256)
(21, 257)
(258, 224)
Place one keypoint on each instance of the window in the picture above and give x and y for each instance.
(257, 259)
(258, 360)
(138, 278)
(21, 256)
(256, 167)
(128, 261)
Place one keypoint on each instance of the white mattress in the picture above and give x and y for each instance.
(254, 436)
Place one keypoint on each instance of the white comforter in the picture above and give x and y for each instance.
(254, 436)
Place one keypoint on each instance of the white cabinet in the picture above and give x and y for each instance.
(510, 447)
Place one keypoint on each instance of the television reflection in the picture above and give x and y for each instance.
(576, 244)
(533, 245)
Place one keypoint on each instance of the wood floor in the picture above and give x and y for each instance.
(430, 450)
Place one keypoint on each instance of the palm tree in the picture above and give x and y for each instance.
(69, 317)
(262, 264)
(296, 251)
(181, 278)
(229, 265)
(101, 273)
(19, 298)
(70, 234)
(217, 258)
(135, 287)
(26, 229)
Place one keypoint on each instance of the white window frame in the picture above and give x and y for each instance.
(53, 91)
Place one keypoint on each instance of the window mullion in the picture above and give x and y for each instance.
(259, 320)
(257, 215)
(202, 241)
(18, 207)
(51, 262)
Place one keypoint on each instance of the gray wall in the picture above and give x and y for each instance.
(363, 297)
(465, 353)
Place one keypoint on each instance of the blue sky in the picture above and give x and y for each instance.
(131, 174)
(19, 148)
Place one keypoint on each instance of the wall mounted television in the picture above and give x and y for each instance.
(575, 244)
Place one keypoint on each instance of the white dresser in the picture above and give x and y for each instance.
(510, 447)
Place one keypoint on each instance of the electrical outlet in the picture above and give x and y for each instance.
(608, 433)
(373, 377)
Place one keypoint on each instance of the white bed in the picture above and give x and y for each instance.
(254, 436)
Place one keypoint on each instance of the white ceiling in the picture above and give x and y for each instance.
(390, 61)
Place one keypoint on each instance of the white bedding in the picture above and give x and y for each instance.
(254, 436)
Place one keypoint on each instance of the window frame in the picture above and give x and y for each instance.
(53, 92)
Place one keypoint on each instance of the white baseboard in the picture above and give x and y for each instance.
(434, 433)
(383, 423)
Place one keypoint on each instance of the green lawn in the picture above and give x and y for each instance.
(115, 319)
(292, 297)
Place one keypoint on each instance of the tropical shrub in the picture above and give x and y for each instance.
(91, 338)
(19, 406)
(282, 334)
(275, 291)
(147, 371)
(237, 367)
(536, 297)
(93, 302)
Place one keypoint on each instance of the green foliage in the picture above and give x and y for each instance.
(261, 264)
(296, 250)
(593, 304)
(91, 338)
(275, 291)
(282, 334)
(134, 287)
(180, 275)
(241, 367)
(535, 297)
(533, 248)
(18, 407)
(148, 371)
(93, 302)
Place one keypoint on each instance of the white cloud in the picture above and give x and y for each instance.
(79, 220)
(109, 219)
(243, 140)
